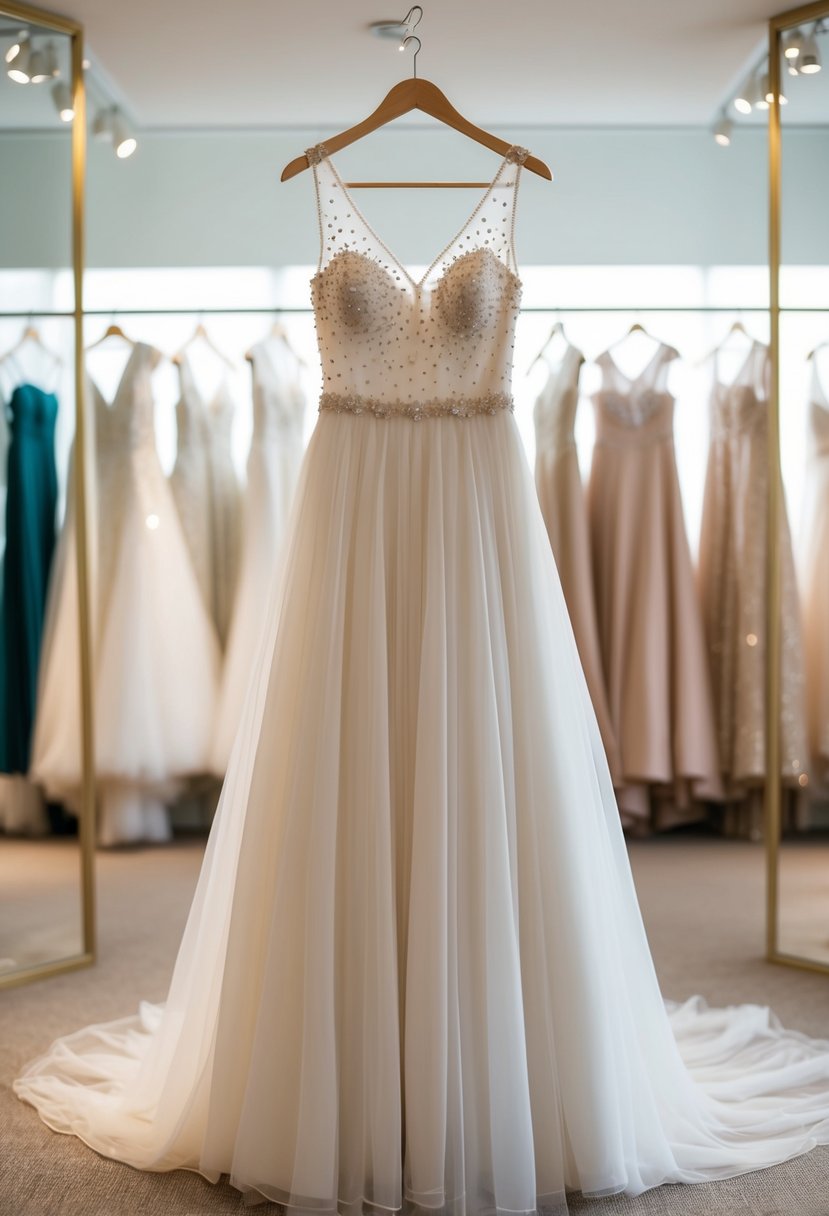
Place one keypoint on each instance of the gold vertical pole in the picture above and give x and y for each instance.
(86, 826)
(773, 602)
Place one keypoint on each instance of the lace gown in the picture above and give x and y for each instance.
(414, 972)
(650, 624)
(815, 581)
(732, 575)
(563, 505)
(273, 467)
(207, 494)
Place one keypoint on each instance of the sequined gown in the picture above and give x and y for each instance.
(815, 585)
(414, 973)
(273, 467)
(207, 492)
(650, 624)
(564, 507)
(732, 575)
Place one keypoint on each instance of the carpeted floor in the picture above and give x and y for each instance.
(703, 903)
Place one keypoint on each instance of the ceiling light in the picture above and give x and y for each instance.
(52, 65)
(722, 131)
(102, 125)
(14, 50)
(122, 137)
(38, 68)
(808, 61)
(62, 97)
(792, 44)
(748, 96)
(762, 102)
(18, 69)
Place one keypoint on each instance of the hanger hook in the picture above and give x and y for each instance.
(412, 38)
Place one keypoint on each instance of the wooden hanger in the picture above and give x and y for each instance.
(814, 353)
(558, 329)
(736, 327)
(402, 98)
(201, 334)
(112, 331)
(636, 328)
(32, 334)
(278, 332)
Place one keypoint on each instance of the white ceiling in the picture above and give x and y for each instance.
(270, 63)
(250, 63)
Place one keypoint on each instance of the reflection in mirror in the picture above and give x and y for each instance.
(803, 873)
(41, 915)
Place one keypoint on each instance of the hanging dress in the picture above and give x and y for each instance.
(650, 625)
(733, 584)
(30, 519)
(207, 493)
(815, 585)
(414, 973)
(563, 505)
(272, 470)
(156, 656)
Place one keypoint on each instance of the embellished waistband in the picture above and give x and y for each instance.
(434, 407)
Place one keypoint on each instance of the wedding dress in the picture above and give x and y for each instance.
(273, 467)
(415, 972)
(733, 582)
(564, 507)
(815, 582)
(206, 491)
(650, 620)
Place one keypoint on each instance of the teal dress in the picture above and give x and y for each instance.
(31, 502)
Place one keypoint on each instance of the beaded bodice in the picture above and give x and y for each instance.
(638, 410)
(439, 345)
(128, 420)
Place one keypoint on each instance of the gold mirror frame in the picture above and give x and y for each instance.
(86, 820)
(773, 817)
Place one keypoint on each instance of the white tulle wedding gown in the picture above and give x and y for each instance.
(415, 972)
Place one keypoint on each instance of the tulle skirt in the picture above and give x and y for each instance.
(415, 973)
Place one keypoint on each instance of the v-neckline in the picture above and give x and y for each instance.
(726, 386)
(418, 284)
(108, 402)
(207, 403)
(633, 382)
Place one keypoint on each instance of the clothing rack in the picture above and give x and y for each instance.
(271, 310)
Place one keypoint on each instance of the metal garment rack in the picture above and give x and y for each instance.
(265, 311)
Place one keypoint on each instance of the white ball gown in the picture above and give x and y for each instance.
(273, 468)
(415, 973)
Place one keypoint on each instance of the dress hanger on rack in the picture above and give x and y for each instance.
(112, 331)
(555, 332)
(736, 328)
(31, 334)
(415, 94)
(200, 334)
(812, 355)
(279, 333)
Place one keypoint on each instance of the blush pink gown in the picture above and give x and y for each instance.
(650, 626)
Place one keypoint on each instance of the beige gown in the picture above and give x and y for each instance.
(563, 505)
(816, 585)
(650, 626)
(732, 574)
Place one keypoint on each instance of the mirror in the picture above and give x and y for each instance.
(45, 711)
(799, 809)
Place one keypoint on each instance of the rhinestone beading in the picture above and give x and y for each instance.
(459, 407)
(316, 154)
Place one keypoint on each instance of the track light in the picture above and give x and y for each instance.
(762, 102)
(722, 131)
(808, 61)
(14, 50)
(52, 65)
(792, 44)
(102, 125)
(123, 139)
(38, 68)
(21, 54)
(62, 97)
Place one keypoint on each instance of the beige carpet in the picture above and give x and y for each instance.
(703, 904)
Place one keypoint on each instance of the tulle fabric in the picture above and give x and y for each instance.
(415, 972)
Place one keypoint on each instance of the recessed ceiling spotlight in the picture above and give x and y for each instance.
(62, 97)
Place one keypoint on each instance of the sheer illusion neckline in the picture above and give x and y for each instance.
(736, 380)
(633, 381)
(418, 284)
